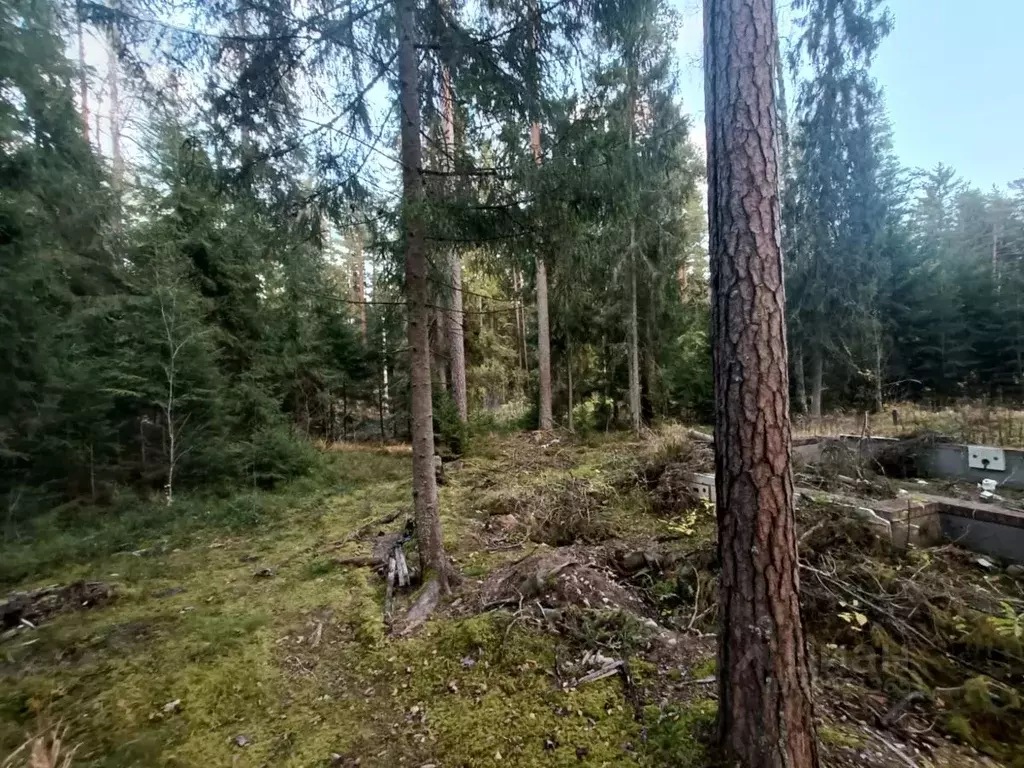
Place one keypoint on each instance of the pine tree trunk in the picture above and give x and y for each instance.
(631, 261)
(765, 709)
(83, 79)
(817, 376)
(543, 327)
(455, 314)
(801, 381)
(634, 340)
(424, 486)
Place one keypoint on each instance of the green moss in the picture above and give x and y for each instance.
(838, 736)
(959, 727)
(678, 737)
(705, 668)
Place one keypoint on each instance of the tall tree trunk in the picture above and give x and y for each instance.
(543, 327)
(83, 79)
(817, 376)
(455, 314)
(631, 262)
(765, 709)
(634, 340)
(424, 485)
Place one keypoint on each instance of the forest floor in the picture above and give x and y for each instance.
(581, 632)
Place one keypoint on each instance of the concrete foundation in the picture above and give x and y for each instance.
(945, 460)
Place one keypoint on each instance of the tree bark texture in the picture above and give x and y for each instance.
(455, 314)
(765, 711)
(424, 485)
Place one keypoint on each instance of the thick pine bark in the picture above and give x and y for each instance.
(424, 485)
(766, 717)
(455, 315)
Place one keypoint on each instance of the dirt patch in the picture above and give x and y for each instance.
(39, 605)
(557, 578)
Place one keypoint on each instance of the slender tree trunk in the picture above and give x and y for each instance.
(568, 376)
(817, 376)
(634, 339)
(424, 486)
(631, 262)
(543, 327)
(83, 78)
(765, 709)
(455, 315)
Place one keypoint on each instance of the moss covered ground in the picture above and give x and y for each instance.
(199, 662)
(238, 639)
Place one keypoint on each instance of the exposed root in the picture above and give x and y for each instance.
(33, 608)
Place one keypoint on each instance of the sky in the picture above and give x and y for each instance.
(951, 71)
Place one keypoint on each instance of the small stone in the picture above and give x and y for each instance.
(263, 573)
(172, 706)
(241, 740)
(468, 661)
(248, 559)
(1016, 571)
(453, 686)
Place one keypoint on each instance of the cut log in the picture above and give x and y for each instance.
(422, 608)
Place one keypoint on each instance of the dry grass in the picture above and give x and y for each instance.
(46, 749)
(974, 423)
(391, 449)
